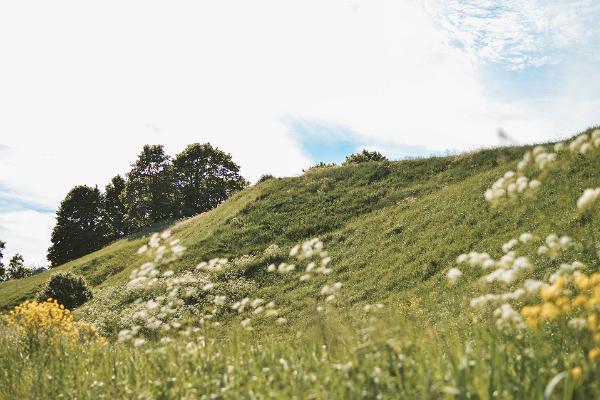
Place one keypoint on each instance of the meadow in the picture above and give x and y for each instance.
(472, 276)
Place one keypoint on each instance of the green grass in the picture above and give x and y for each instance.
(393, 230)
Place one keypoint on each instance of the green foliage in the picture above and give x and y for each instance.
(80, 228)
(205, 176)
(264, 178)
(114, 208)
(364, 156)
(2, 269)
(69, 289)
(16, 268)
(320, 165)
(393, 230)
(150, 189)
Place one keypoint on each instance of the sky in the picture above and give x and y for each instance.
(279, 84)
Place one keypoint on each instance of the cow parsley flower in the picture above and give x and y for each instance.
(453, 275)
(588, 198)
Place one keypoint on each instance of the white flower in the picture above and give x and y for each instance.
(559, 146)
(585, 148)
(138, 342)
(525, 237)
(178, 249)
(543, 250)
(577, 324)
(281, 320)
(271, 268)
(453, 275)
(143, 249)
(294, 251)
(588, 198)
(246, 322)
(535, 184)
(305, 277)
(207, 287)
(506, 247)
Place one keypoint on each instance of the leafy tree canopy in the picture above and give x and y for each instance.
(16, 268)
(80, 228)
(205, 176)
(150, 191)
(114, 208)
(364, 156)
(2, 269)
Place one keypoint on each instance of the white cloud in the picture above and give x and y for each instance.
(28, 233)
(517, 33)
(84, 85)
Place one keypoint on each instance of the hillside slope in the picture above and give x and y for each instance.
(392, 229)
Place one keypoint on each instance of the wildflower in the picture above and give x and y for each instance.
(138, 342)
(585, 148)
(453, 275)
(525, 237)
(508, 319)
(594, 354)
(588, 198)
(535, 184)
(506, 247)
(549, 311)
(305, 277)
(142, 249)
(576, 373)
(178, 249)
(246, 322)
(577, 324)
(207, 287)
(281, 321)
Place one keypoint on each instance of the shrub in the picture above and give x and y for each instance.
(264, 178)
(68, 289)
(364, 156)
(321, 165)
(48, 320)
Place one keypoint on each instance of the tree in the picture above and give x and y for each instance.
(68, 289)
(114, 208)
(364, 156)
(80, 228)
(149, 192)
(205, 176)
(2, 269)
(16, 268)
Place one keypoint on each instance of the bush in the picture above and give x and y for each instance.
(264, 178)
(364, 156)
(321, 165)
(68, 289)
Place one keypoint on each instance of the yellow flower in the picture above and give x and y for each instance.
(576, 373)
(49, 319)
(592, 321)
(594, 355)
(582, 282)
(580, 300)
(553, 291)
(549, 311)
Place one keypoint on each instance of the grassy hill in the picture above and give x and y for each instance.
(393, 230)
